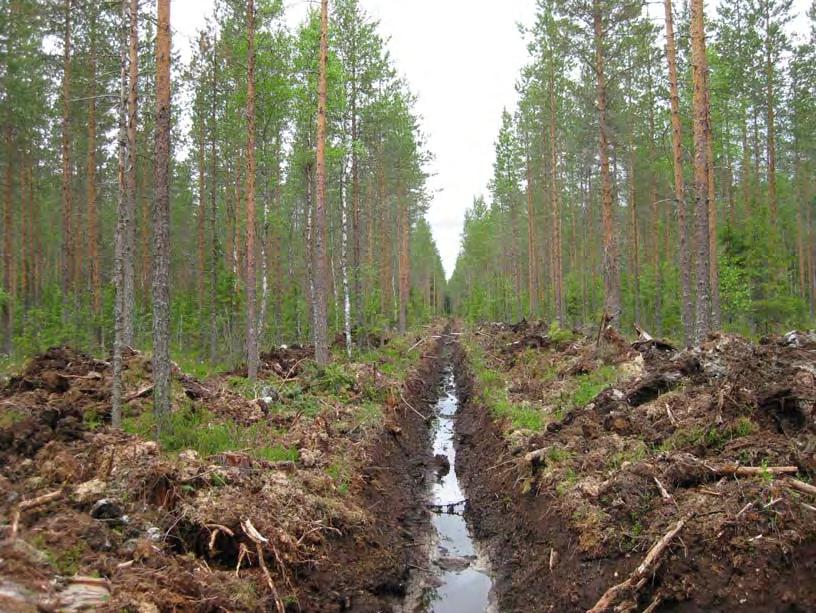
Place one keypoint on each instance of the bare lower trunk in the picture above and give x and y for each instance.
(67, 196)
(403, 228)
(122, 222)
(161, 223)
(93, 224)
(252, 331)
(686, 300)
(129, 253)
(557, 267)
(611, 275)
(633, 215)
(532, 285)
(701, 132)
(320, 248)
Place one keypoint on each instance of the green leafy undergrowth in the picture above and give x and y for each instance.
(493, 390)
(202, 431)
(586, 387)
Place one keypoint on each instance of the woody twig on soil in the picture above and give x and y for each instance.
(638, 578)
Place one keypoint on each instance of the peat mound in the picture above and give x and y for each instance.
(317, 512)
(658, 480)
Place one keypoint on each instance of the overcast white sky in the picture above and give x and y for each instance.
(462, 58)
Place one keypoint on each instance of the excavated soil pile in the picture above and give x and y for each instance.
(315, 514)
(646, 478)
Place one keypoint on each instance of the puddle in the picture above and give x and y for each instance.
(463, 582)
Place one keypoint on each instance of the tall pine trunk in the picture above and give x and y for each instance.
(251, 323)
(93, 222)
(122, 222)
(129, 253)
(161, 222)
(611, 273)
(686, 299)
(67, 195)
(701, 188)
(321, 272)
(557, 267)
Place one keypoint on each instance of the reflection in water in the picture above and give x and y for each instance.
(464, 585)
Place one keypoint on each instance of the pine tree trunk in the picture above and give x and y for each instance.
(67, 196)
(161, 223)
(701, 132)
(557, 267)
(7, 241)
(122, 222)
(93, 221)
(129, 253)
(714, 269)
(633, 216)
(404, 258)
(213, 211)
(321, 272)
(252, 331)
(771, 121)
(532, 284)
(687, 301)
(201, 221)
(611, 273)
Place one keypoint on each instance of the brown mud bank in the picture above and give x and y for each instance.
(684, 485)
(321, 510)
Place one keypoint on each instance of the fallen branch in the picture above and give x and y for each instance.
(663, 492)
(278, 602)
(638, 577)
(144, 391)
(408, 404)
(801, 486)
(536, 456)
(752, 471)
(26, 505)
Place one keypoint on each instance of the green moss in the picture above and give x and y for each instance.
(204, 432)
(570, 479)
(588, 386)
(275, 453)
(9, 417)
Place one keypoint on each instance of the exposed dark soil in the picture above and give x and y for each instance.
(120, 525)
(571, 510)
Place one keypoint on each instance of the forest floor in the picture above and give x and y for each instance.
(635, 477)
(305, 492)
(599, 474)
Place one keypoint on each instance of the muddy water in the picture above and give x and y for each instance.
(462, 582)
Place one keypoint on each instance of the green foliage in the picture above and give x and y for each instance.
(202, 431)
(590, 385)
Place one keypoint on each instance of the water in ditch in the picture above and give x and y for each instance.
(463, 582)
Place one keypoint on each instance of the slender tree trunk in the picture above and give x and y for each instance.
(771, 121)
(7, 241)
(701, 132)
(129, 253)
(532, 284)
(321, 332)
(687, 302)
(213, 210)
(201, 222)
(161, 222)
(344, 272)
(611, 274)
(404, 260)
(633, 216)
(67, 195)
(555, 201)
(122, 222)
(252, 332)
(93, 222)
(714, 269)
